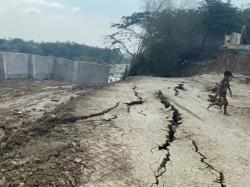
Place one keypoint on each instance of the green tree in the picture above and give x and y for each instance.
(172, 36)
(219, 18)
(246, 20)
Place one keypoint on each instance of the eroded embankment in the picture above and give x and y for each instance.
(236, 61)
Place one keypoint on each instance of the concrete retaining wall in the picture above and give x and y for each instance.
(16, 65)
(43, 67)
(23, 66)
(99, 72)
(2, 68)
(64, 69)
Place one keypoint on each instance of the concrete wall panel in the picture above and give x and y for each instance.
(17, 65)
(64, 70)
(43, 67)
(23, 66)
(2, 70)
(92, 73)
(30, 68)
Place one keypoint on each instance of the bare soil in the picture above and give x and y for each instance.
(142, 132)
(34, 150)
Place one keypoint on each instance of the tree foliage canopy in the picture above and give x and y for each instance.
(172, 36)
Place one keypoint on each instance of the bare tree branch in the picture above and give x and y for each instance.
(115, 41)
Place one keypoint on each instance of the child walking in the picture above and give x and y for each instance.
(222, 92)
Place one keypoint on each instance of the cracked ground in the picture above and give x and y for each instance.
(141, 132)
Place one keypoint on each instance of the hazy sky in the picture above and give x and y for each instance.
(83, 21)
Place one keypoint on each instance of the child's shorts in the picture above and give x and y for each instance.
(223, 101)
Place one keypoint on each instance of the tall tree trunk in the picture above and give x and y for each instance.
(204, 40)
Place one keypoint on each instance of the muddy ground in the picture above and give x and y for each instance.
(141, 132)
(28, 140)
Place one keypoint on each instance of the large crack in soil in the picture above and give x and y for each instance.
(140, 100)
(179, 87)
(176, 89)
(187, 110)
(172, 126)
(44, 125)
(73, 119)
(203, 158)
(62, 159)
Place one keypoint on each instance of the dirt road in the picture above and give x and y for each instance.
(142, 132)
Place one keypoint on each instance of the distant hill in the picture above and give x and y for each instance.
(69, 50)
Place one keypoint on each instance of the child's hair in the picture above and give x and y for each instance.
(227, 73)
